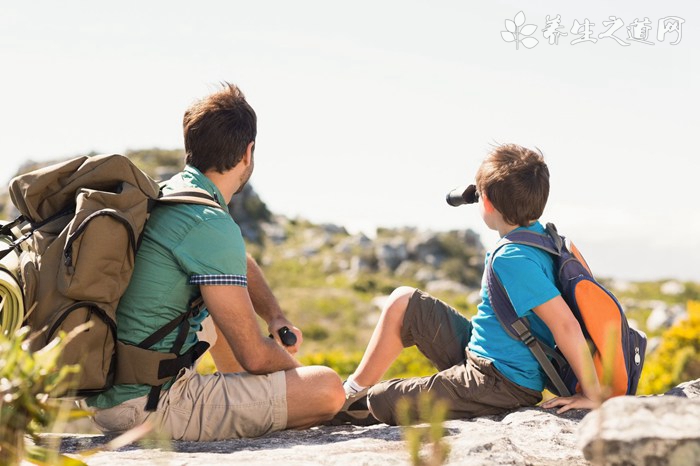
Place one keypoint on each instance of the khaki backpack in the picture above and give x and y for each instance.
(80, 227)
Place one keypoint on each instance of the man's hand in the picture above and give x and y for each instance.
(577, 401)
(276, 324)
(233, 314)
(267, 307)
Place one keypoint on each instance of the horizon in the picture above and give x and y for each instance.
(368, 114)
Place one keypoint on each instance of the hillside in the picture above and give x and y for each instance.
(326, 279)
(331, 283)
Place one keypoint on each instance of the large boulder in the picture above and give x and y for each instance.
(654, 430)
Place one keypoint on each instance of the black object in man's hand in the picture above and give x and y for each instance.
(287, 336)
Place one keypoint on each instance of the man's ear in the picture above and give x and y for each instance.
(248, 157)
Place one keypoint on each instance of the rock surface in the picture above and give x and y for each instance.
(643, 431)
(656, 430)
(527, 436)
(664, 428)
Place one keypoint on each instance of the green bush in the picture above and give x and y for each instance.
(410, 363)
(375, 284)
(27, 379)
(341, 362)
(316, 332)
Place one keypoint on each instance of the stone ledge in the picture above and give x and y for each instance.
(529, 436)
(526, 436)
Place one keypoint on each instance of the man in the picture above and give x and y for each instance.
(192, 250)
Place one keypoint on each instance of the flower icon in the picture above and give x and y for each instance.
(519, 32)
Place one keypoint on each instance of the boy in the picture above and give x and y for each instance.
(482, 371)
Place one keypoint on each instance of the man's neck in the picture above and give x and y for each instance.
(227, 183)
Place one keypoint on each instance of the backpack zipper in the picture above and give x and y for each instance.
(92, 308)
(68, 251)
(637, 351)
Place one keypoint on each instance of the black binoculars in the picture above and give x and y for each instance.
(287, 336)
(461, 196)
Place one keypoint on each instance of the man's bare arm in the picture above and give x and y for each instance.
(233, 314)
(267, 306)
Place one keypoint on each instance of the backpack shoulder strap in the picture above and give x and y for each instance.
(515, 326)
(500, 301)
(546, 242)
(190, 196)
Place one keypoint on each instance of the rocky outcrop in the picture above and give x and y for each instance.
(528, 436)
(657, 430)
(643, 431)
(653, 430)
(686, 390)
(250, 212)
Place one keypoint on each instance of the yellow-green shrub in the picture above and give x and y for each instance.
(677, 359)
(410, 363)
(26, 381)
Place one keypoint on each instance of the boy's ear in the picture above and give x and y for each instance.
(488, 207)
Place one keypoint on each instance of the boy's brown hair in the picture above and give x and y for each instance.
(218, 129)
(516, 181)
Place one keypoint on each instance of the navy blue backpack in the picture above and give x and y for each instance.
(599, 313)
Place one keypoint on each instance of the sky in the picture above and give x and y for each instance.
(369, 112)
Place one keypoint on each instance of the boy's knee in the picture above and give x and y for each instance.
(401, 293)
(398, 301)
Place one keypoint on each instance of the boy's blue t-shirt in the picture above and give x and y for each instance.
(528, 276)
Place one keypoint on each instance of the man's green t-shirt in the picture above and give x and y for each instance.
(183, 246)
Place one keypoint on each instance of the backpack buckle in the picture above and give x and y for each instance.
(523, 332)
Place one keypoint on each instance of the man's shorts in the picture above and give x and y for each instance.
(208, 407)
(469, 384)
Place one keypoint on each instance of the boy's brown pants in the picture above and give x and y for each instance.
(470, 384)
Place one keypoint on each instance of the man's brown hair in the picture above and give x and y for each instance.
(218, 129)
(516, 181)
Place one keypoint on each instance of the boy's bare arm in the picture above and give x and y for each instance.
(566, 330)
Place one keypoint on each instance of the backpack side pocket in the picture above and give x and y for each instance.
(99, 251)
(93, 349)
(604, 322)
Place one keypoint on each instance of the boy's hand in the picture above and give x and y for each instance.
(577, 401)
